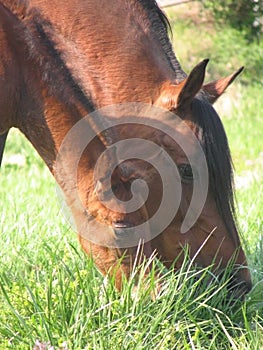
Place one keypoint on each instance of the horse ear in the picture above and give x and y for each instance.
(180, 96)
(216, 88)
(191, 85)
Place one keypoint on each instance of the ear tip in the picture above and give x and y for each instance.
(204, 62)
(235, 74)
(202, 65)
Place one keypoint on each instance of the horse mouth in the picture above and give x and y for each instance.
(236, 287)
(122, 224)
(122, 228)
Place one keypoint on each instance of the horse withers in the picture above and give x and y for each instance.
(85, 82)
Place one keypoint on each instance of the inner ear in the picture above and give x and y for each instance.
(192, 85)
(216, 88)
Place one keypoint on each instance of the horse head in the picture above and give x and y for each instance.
(206, 224)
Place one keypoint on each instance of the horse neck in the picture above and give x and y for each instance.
(46, 120)
(111, 62)
(110, 48)
(42, 110)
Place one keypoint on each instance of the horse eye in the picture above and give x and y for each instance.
(185, 171)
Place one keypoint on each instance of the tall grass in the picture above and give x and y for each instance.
(51, 293)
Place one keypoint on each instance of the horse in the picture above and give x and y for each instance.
(71, 65)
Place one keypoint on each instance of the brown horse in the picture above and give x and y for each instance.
(60, 63)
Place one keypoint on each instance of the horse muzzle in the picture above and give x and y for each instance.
(239, 284)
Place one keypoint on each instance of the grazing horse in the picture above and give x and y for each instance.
(59, 64)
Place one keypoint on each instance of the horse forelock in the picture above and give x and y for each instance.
(215, 145)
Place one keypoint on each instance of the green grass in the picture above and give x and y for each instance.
(50, 290)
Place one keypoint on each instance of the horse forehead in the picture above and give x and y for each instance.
(147, 160)
(183, 142)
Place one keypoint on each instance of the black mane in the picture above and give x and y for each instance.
(218, 158)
